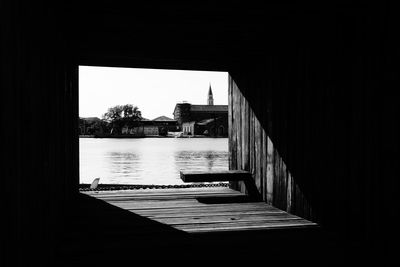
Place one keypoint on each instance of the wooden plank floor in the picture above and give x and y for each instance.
(198, 210)
(115, 228)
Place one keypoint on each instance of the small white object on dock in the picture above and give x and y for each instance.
(95, 183)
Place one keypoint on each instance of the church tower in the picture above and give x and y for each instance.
(210, 99)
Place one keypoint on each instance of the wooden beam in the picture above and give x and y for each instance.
(215, 176)
(218, 176)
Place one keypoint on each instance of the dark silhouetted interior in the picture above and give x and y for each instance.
(318, 77)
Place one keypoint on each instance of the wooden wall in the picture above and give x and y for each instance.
(39, 144)
(314, 121)
(251, 149)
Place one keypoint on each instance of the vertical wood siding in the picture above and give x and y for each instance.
(251, 149)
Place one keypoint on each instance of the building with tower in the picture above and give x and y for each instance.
(210, 98)
(210, 119)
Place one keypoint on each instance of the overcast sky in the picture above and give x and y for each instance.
(155, 92)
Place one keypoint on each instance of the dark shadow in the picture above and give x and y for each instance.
(309, 132)
(98, 233)
(223, 200)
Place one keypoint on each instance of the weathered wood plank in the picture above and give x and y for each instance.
(209, 190)
(194, 194)
(283, 186)
(252, 149)
(238, 123)
(289, 192)
(236, 207)
(205, 213)
(166, 194)
(258, 149)
(162, 204)
(233, 220)
(176, 197)
(196, 212)
(194, 190)
(241, 136)
(270, 171)
(245, 117)
(245, 227)
(263, 162)
(232, 136)
(199, 213)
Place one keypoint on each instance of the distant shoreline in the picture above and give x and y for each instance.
(148, 136)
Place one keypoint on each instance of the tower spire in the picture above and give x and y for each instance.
(210, 98)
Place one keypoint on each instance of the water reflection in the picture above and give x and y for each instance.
(123, 163)
(149, 160)
(201, 160)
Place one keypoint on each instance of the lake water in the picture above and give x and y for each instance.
(149, 160)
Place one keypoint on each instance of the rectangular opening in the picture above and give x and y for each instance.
(188, 211)
(141, 127)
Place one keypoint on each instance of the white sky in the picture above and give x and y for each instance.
(154, 91)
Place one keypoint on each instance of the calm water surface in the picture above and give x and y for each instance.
(149, 160)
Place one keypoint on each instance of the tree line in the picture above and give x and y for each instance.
(113, 120)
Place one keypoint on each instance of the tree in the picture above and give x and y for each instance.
(113, 114)
(131, 115)
(121, 115)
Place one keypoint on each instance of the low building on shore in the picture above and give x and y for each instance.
(90, 125)
(159, 126)
(143, 130)
(216, 127)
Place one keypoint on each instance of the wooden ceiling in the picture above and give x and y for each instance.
(207, 35)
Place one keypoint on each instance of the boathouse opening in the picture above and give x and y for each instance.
(140, 127)
(314, 115)
(107, 152)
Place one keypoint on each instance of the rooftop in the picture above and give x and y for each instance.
(90, 118)
(163, 118)
(207, 121)
(210, 108)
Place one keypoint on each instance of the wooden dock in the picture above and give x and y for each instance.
(165, 222)
(198, 210)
